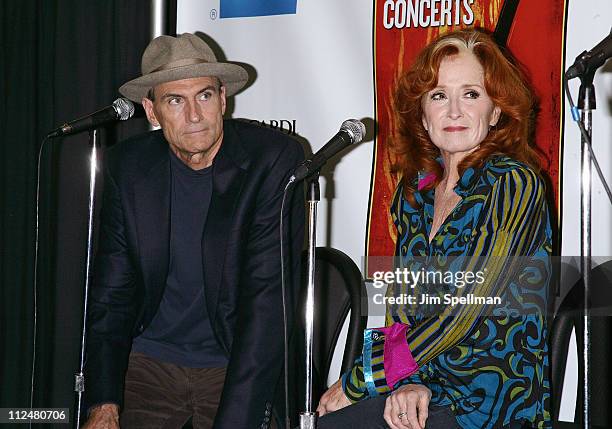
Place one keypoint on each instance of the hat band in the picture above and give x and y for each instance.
(179, 63)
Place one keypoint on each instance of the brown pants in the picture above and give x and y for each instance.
(162, 395)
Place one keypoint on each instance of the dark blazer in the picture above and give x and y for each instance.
(241, 251)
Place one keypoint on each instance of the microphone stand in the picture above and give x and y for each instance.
(79, 378)
(308, 418)
(586, 104)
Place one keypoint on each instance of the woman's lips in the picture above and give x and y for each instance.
(454, 129)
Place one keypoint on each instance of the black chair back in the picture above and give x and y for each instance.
(569, 316)
(339, 287)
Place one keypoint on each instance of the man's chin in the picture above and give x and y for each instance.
(196, 140)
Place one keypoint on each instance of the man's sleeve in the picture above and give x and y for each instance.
(256, 358)
(515, 217)
(111, 311)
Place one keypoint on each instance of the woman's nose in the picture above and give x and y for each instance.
(454, 108)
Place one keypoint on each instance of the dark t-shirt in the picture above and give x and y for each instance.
(180, 333)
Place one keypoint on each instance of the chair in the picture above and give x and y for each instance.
(339, 287)
(569, 316)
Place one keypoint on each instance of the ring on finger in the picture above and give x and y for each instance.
(400, 415)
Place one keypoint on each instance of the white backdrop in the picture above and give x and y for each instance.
(587, 26)
(316, 67)
(313, 67)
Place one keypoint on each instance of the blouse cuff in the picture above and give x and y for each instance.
(352, 382)
(387, 358)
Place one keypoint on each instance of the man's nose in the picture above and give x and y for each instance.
(193, 112)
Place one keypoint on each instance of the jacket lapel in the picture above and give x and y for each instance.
(229, 173)
(152, 208)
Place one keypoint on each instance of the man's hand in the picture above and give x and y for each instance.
(407, 407)
(104, 416)
(333, 399)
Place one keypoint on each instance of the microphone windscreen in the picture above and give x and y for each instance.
(355, 128)
(124, 108)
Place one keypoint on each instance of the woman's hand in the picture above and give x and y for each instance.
(407, 407)
(333, 399)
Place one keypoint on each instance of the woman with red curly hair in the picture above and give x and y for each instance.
(469, 352)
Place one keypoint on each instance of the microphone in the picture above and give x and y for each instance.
(590, 61)
(120, 110)
(351, 131)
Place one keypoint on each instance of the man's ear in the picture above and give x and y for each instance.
(148, 107)
(223, 101)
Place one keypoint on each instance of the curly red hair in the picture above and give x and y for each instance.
(506, 87)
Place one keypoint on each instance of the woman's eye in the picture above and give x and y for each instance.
(438, 96)
(472, 94)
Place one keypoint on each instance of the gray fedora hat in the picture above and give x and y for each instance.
(187, 56)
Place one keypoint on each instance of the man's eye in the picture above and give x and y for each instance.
(205, 95)
(472, 94)
(174, 101)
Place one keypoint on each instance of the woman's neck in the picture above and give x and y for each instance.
(451, 171)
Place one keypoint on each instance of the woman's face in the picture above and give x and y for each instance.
(457, 113)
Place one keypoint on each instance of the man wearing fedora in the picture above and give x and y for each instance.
(185, 314)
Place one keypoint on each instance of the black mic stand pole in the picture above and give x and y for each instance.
(79, 378)
(308, 418)
(586, 104)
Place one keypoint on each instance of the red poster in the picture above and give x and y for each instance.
(532, 30)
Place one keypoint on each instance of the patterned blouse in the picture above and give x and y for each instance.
(488, 360)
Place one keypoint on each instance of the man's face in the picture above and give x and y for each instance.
(190, 113)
